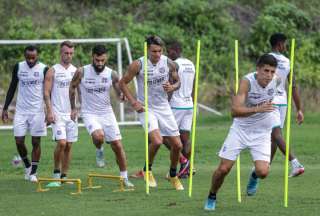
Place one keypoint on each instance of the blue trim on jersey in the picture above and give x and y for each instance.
(182, 108)
(280, 105)
(277, 126)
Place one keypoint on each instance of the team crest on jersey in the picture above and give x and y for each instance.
(36, 74)
(59, 132)
(270, 92)
(104, 80)
(162, 70)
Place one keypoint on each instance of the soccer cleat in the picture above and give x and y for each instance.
(184, 170)
(139, 174)
(27, 173)
(252, 186)
(33, 178)
(54, 184)
(152, 180)
(16, 161)
(176, 183)
(210, 204)
(296, 171)
(127, 183)
(66, 182)
(100, 158)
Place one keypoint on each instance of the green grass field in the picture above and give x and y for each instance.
(19, 197)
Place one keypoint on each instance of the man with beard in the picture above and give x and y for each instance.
(95, 81)
(29, 76)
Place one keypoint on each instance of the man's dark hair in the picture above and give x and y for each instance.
(154, 40)
(267, 59)
(174, 44)
(277, 38)
(31, 48)
(67, 44)
(99, 50)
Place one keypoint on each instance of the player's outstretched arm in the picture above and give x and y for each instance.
(72, 91)
(48, 81)
(10, 93)
(239, 108)
(133, 70)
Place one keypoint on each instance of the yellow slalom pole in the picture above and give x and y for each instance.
(286, 171)
(236, 60)
(194, 120)
(146, 115)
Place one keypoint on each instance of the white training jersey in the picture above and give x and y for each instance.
(95, 91)
(60, 89)
(182, 98)
(282, 71)
(258, 95)
(157, 75)
(30, 88)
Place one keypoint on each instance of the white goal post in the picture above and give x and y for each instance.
(119, 42)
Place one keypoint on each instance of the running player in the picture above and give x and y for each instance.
(181, 102)
(95, 81)
(278, 44)
(56, 95)
(252, 124)
(29, 76)
(163, 79)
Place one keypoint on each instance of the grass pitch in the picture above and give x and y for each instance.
(19, 197)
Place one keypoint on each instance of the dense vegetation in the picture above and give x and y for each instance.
(217, 23)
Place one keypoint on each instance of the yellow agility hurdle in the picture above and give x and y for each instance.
(110, 177)
(77, 181)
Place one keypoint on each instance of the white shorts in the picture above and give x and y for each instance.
(161, 119)
(34, 123)
(259, 144)
(183, 118)
(280, 116)
(64, 129)
(106, 122)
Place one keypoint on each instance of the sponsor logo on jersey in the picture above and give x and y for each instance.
(270, 92)
(162, 70)
(104, 80)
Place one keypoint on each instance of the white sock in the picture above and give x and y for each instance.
(100, 149)
(295, 163)
(124, 174)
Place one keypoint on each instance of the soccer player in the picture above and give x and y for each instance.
(278, 44)
(163, 79)
(252, 124)
(181, 102)
(29, 76)
(95, 81)
(56, 96)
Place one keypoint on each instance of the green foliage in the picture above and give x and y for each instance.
(217, 23)
(282, 17)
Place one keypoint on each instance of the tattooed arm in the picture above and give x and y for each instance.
(72, 91)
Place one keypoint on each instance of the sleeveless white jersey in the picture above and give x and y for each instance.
(282, 71)
(30, 88)
(60, 89)
(258, 95)
(95, 91)
(182, 98)
(157, 75)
